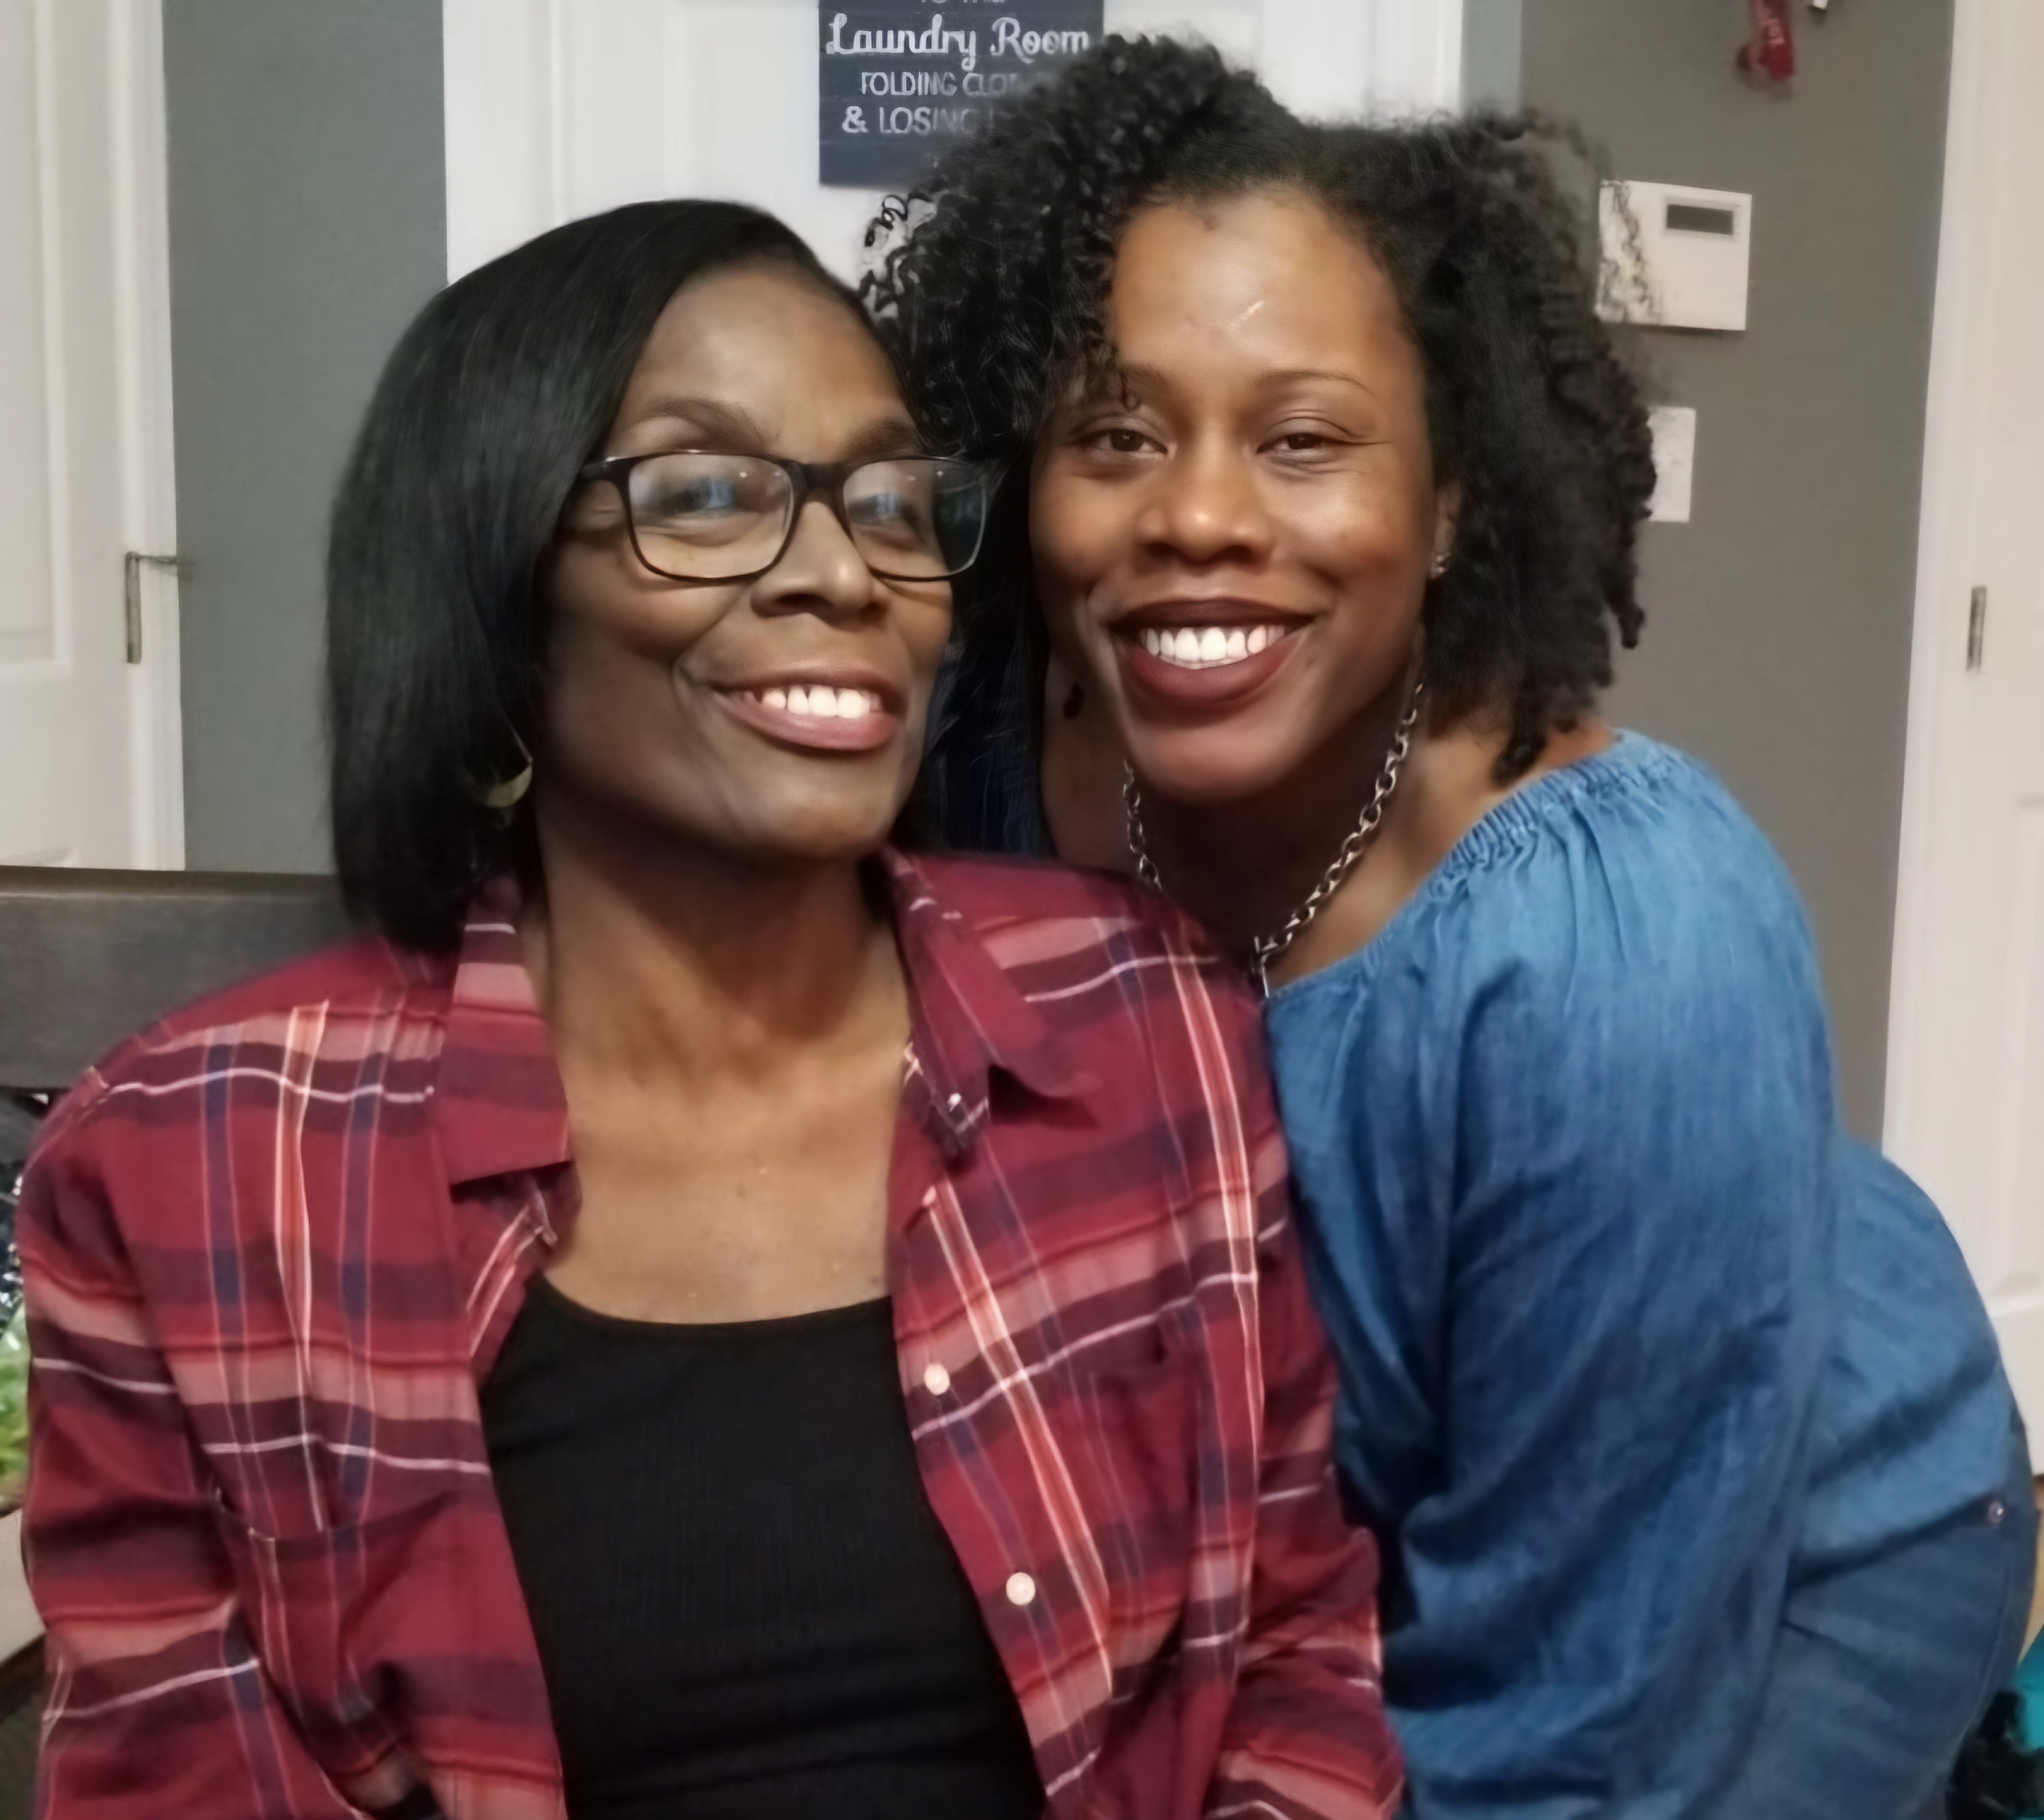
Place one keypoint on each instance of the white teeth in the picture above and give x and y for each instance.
(819, 701)
(1203, 646)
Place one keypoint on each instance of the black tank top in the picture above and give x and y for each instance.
(746, 1608)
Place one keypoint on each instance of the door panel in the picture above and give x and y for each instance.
(83, 731)
(1965, 1111)
(555, 111)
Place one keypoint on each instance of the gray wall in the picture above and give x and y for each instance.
(1778, 631)
(307, 222)
(1492, 52)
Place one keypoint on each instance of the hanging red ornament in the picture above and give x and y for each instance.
(1770, 54)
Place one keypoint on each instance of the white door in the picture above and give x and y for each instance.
(1966, 1097)
(558, 108)
(88, 739)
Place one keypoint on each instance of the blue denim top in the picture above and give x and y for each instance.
(1632, 1336)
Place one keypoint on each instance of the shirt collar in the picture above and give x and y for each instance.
(498, 1099)
(970, 1018)
(501, 1106)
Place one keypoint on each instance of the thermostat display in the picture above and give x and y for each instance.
(1673, 258)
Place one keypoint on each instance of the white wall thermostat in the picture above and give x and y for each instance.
(1673, 257)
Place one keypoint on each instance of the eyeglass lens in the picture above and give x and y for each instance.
(705, 517)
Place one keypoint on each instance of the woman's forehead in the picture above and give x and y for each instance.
(763, 345)
(1265, 285)
(1250, 267)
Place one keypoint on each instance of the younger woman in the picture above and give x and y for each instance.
(1703, 1490)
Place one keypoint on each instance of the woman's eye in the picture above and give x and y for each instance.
(693, 498)
(1302, 442)
(1116, 439)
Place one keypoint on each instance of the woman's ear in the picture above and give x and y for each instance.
(1447, 514)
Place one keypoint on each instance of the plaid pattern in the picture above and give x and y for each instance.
(274, 1245)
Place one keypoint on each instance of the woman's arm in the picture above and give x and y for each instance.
(1629, 1149)
(157, 1706)
(1307, 1737)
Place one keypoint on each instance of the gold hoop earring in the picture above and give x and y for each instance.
(506, 796)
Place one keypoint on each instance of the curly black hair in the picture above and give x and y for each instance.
(993, 298)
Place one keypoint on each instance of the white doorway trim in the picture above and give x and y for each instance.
(142, 270)
(1965, 1110)
(1943, 586)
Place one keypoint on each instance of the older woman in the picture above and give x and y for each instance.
(1702, 1489)
(700, 1315)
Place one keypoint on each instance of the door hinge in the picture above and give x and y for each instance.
(1977, 629)
(130, 592)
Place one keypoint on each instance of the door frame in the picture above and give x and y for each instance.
(140, 167)
(1938, 646)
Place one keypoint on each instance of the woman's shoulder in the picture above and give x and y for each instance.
(1088, 951)
(1626, 903)
(319, 1004)
(1635, 857)
(998, 896)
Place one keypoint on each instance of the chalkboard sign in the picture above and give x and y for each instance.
(902, 80)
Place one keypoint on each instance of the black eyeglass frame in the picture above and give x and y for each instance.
(810, 480)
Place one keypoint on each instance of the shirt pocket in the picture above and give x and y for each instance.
(1131, 1429)
(336, 1616)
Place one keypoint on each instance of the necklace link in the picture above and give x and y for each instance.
(1266, 950)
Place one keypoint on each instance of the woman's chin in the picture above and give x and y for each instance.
(1212, 767)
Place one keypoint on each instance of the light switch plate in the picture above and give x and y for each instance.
(1682, 260)
(1674, 430)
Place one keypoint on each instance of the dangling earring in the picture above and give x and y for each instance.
(1075, 701)
(506, 796)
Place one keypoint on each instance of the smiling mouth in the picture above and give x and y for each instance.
(816, 716)
(1208, 647)
(819, 703)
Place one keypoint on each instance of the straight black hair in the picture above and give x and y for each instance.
(503, 387)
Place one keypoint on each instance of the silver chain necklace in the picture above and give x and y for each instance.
(1266, 950)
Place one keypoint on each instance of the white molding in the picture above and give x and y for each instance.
(505, 142)
(1947, 459)
(56, 366)
(148, 448)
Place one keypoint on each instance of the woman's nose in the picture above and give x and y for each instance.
(1204, 506)
(820, 570)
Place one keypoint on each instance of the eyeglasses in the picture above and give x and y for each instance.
(696, 516)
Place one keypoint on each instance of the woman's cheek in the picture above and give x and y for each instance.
(1365, 539)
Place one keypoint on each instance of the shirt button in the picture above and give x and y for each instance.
(1021, 1589)
(936, 1380)
(1996, 1510)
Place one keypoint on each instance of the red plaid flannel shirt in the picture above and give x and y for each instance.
(274, 1245)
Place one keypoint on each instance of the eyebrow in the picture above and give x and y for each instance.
(1291, 374)
(1136, 378)
(731, 429)
(884, 437)
(728, 426)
